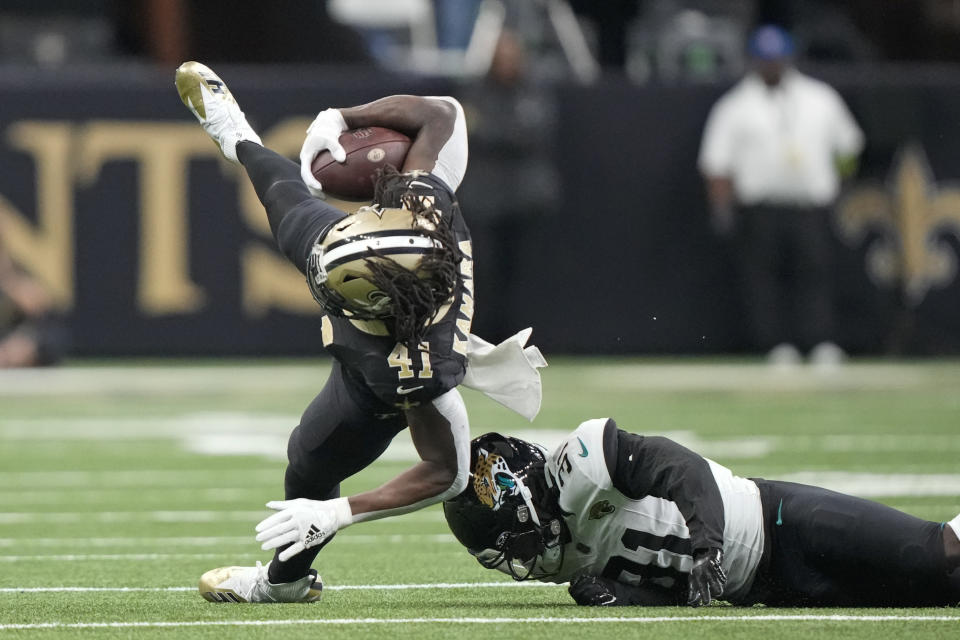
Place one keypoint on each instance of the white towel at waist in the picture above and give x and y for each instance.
(507, 372)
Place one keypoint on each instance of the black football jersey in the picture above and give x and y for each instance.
(396, 374)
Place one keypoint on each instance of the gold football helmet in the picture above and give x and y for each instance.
(368, 261)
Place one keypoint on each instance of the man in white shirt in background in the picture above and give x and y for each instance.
(774, 150)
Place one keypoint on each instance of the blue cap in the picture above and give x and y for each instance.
(770, 42)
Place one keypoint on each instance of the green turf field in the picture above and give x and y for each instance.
(120, 485)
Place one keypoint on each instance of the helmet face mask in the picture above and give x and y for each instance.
(532, 554)
(496, 517)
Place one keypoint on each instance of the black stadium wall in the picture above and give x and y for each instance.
(153, 245)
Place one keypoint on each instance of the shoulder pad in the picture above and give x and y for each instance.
(581, 455)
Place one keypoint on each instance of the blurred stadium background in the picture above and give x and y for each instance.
(182, 316)
(591, 122)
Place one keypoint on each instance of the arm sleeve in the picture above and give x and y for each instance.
(656, 466)
(452, 159)
(450, 406)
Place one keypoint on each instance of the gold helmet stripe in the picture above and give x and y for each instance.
(364, 246)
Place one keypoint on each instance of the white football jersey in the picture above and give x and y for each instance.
(647, 540)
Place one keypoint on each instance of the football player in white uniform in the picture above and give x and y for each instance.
(634, 520)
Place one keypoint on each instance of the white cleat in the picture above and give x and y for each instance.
(208, 97)
(250, 584)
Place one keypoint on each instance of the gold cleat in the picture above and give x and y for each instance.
(209, 99)
(250, 584)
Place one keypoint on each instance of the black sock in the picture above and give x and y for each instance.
(295, 486)
(296, 567)
(276, 180)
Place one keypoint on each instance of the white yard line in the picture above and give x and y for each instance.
(190, 541)
(874, 442)
(867, 485)
(343, 587)
(139, 557)
(198, 541)
(871, 485)
(191, 495)
(152, 478)
(265, 435)
(248, 541)
(148, 557)
(290, 378)
(760, 378)
(163, 516)
(72, 517)
(122, 429)
(152, 380)
(532, 620)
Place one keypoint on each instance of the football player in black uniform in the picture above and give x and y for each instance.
(395, 281)
(634, 520)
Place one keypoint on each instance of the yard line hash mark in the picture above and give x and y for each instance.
(212, 541)
(342, 587)
(556, 620)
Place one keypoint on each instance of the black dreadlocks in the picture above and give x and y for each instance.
(416, 296)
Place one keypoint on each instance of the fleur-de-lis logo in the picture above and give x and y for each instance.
(910, 215)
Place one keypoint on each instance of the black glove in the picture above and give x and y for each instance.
(706, 578)
(593, 591)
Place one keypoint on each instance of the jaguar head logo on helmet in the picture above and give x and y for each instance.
(502, 517)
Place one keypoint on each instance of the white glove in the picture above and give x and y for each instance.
(322, 134)
(302, 524)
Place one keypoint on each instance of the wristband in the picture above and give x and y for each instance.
(341, 507)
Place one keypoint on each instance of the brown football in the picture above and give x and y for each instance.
(368, 149)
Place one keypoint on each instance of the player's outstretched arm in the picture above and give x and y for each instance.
(660, 467)
(430, 120)
(441, 434)
(436, 125)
